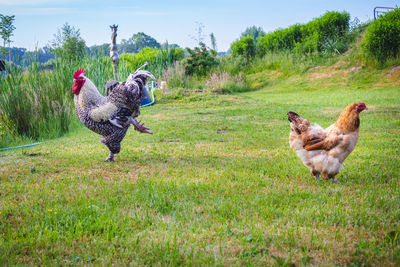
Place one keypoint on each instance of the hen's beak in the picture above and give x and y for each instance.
(291, 115)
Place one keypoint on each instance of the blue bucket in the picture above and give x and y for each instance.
(147, 99)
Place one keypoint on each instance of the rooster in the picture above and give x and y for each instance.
(112, 115)
(324, 150)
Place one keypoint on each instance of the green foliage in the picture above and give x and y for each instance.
(281, 39)
(330, 25)
(213, 42)
(6, 29)
(382, 39)
(36, 105)
(244, 47)
(158, 59)
(99, 50)
(200, 61)
(253, 31)
(137, 42)
(326, 33)
(68, 43)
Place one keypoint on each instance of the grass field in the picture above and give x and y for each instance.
(217, 183)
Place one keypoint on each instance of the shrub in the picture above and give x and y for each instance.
(382, 39)
(331, 25)
(158, 59)
(280, 39)
(200, 61)
(326, 32)
(244, 47)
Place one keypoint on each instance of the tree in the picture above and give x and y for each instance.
(99, 50)
(68, 42)
(245, 47)
(137, 42)
(253, 31)
(6, 29)
(168, 45)
(213, 42)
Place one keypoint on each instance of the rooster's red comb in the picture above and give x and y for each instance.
(78, 73)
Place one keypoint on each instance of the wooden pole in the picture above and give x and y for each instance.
(113, 50)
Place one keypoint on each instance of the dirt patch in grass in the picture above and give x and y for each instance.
(327, 74)
(391, 77)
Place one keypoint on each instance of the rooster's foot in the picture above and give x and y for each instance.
(110, 157)
(139, 126)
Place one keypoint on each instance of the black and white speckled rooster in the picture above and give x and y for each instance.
(111, 115)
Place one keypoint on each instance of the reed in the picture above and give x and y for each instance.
(38, 104)
(35, 104)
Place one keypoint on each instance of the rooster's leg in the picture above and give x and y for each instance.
(113, 142)
(335, 180)
(110, 157)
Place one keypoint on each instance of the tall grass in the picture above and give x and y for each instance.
(36, 104)
(158, 59)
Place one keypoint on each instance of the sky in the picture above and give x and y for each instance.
(175, 21)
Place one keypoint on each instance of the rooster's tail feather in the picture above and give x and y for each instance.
(138, 80)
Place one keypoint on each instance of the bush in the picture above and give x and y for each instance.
(281, 39)
(244, 47)
(382, 39)
(331, 25)
(158, 59)
(326, 33)
(200, 61)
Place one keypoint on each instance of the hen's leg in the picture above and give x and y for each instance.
(316, 174)
(335, 180)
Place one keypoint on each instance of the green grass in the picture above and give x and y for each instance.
(217, 184)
